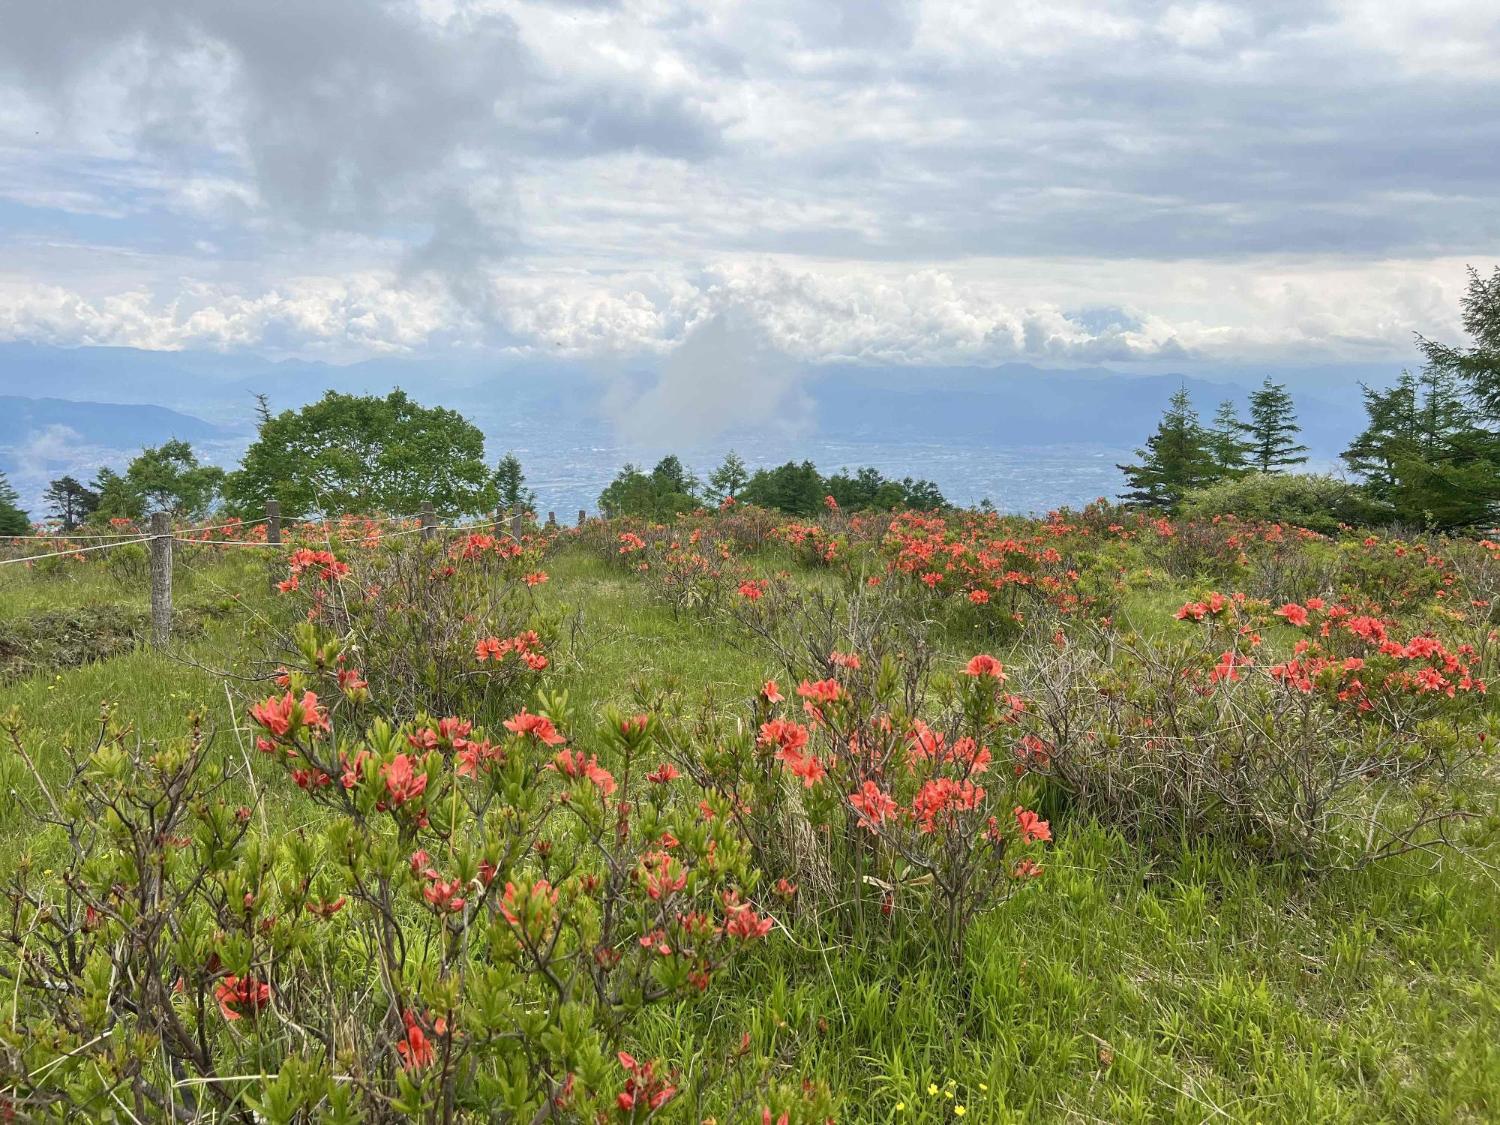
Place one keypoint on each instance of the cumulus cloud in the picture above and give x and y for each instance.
(972, 313)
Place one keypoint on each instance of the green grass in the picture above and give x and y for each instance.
(1116, 988)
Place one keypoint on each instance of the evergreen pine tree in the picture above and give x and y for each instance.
(1176, 459)
(13, 521)
(70, 502)
(1476, 368)
(725, 482)
(510, 486)
(1227, 441)
(1424, 452)
(1273, 429)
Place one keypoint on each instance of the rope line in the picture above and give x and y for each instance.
(129, 534)
(224, 543)
(125, 540)
(78, 550)
(70, 535)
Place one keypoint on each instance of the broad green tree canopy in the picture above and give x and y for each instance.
(361, 453)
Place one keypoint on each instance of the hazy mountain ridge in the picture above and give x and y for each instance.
(113, 424)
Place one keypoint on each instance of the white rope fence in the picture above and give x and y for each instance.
(75, 551)
(162, 537)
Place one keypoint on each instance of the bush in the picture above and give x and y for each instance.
(451, 628)
(468, 932)
(46, 642)
(876, 789)
(1311, 500)
(1360, 743)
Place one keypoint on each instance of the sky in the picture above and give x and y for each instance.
(884, 182)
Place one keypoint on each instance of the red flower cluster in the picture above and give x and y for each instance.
(536, 726)
(985, 665)
(790, 740)
(745, 924)
(874, 805)
(241, 996)
(415, 1048)
(474, 545)
(286, 716)
(981, 558)
(442, 895)
(402, 782)
(940, 799)
(525, 645)
(303, 559)
(644, 1088)
(572, 763)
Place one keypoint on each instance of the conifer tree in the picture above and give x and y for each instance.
(1424, 452)
(1475, 368)
(1228, 441)
(725, 482)
(13, 521)
(511, 492)
(71, 503)
(1273, 429)
(1176, 459)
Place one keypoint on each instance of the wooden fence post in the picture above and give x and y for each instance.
(273, 539)
(161, 578)
(515, 525)
(499, 521)
(551, 519)
(429, 522)
(582, 515)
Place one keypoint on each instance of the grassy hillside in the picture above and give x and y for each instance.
(1269, 893)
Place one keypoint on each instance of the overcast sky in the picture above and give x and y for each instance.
(889, 182)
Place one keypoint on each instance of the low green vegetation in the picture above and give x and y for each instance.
(1166, 820)
(772, 797)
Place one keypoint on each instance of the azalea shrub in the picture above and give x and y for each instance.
(995, 575)
(689, 572)
(1348, 741)
(450, 923)
(875, 787)
(446, 626)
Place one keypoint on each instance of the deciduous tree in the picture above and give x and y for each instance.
(362, 453)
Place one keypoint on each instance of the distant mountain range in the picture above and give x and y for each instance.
(72, 410)
(110, 424)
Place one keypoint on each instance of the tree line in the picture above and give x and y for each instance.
(363, 453)
(342, 453)
(1429, 454)
(796, 488)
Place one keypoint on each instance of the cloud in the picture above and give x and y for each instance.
(884, 181)
(724, 376)
(973, 313)
(44, 455)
